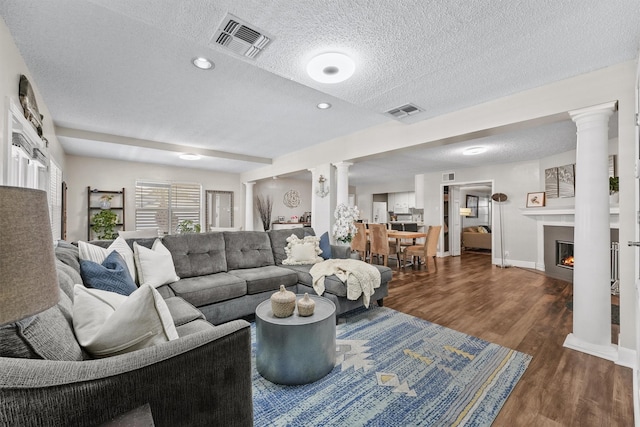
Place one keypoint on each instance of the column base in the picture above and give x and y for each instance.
(608, 352)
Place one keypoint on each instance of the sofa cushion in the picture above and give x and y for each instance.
(155, 265)
(111, 275)
(247, 249)
(68, 254)
(325, 246)
(267, 278)
(278, 240)
(204, 290)
(302, 251)
(109, 324)
(47, 335)
(67, 277)
(197, 254)
(182, 312)
(98, 254)
(193, 327)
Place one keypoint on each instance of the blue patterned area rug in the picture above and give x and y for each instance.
(393, 369)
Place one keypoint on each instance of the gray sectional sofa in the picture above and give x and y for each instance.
(227, 274)
(201, 379)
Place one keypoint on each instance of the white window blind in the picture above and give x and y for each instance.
(163, 205)
(55, 200)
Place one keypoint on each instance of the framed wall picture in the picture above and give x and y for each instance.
(566, 181)
(551, 183)
(472, 203)
(536, 200)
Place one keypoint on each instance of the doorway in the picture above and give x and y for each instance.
(467, 208)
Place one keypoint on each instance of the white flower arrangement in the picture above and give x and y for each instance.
(344, 228)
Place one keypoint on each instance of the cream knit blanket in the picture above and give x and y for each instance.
(360, 277)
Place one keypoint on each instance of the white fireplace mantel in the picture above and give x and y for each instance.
(560, 216)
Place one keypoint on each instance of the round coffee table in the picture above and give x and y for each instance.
(296, 350)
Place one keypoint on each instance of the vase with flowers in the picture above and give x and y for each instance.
(344, 229)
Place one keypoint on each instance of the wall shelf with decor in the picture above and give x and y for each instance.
(100, 200)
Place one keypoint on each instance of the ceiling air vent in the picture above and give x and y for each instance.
(449, 176)
(405, 111)
(240, 38)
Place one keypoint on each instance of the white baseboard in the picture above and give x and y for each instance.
(627, 357)
(607, 352)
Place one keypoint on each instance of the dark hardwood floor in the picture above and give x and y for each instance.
(526, 311)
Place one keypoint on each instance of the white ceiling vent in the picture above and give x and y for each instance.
(448, 177)
(240, 38)
(405, 111)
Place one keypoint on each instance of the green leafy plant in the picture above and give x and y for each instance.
(187, 226)
(104, 224)
(614, 184)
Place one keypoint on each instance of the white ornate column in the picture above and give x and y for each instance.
(248, 205)
(342, 182)
(591, 274)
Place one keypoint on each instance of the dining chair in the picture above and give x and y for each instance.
(360, 243)
(379, 242)
(427, 250)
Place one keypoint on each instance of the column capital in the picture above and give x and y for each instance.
(606, 108)
(342, 164)
(249, 183)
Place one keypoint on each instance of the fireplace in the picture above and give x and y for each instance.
(564, 254)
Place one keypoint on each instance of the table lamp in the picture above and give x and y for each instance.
(28, 279)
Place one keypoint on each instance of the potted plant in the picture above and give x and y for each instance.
(104, 224)
(187, 226)
(105, 201)
(614, 188)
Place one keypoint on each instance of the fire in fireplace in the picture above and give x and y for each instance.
(564, 254)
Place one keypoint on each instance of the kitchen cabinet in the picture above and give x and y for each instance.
(401, 202)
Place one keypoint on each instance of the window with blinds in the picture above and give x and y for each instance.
(55, 200)
(164, 205)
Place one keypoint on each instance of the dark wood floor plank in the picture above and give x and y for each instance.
(527, 311)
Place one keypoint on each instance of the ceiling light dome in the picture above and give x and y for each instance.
(331, 67)
(323, 105)
(472, 151)
(190, 156)
(202, 63)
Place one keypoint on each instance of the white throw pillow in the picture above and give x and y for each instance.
(107, 324)
(97, 254)
(147, 233)
(302, 251)
(155, 265)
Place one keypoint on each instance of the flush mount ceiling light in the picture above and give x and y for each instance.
(190, 156)
(472, 151)
(324, 105)
(202, 63)
(331, 67)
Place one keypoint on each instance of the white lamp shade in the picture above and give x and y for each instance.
(29, 283)
(465, 211)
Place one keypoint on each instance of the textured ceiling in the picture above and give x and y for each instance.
(123, 67)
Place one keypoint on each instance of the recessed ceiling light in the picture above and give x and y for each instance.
(472, 151)
(331, 67)
(202, 63)
(190, 156)
(324, 105)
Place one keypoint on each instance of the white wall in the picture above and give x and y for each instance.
(276, 189)
(105, 174)
(11, 67)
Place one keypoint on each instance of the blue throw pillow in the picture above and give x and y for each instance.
(112, 275)
(325, 245)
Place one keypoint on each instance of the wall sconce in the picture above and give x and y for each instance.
(323, 189)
